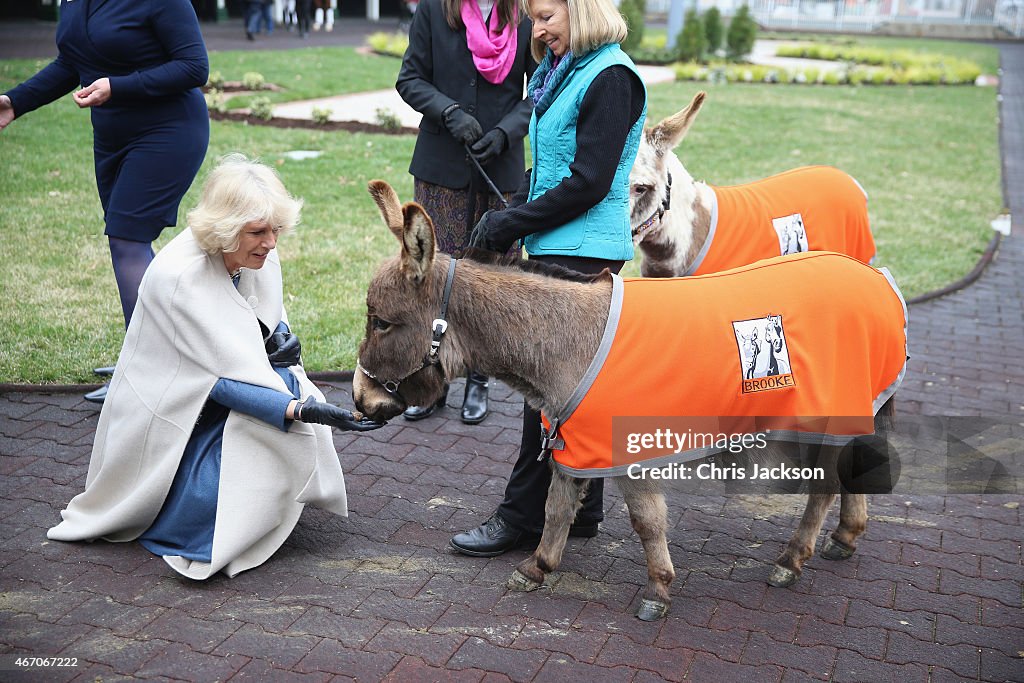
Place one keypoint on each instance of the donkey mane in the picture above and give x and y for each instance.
(490, 258)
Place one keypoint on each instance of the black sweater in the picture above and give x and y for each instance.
(613, 103)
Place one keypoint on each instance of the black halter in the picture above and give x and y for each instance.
(666, 202)
(438, 329)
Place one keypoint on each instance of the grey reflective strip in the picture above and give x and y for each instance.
(891, 389)
(614, 313)
(711, 236)
(815, 438)
(866, 197)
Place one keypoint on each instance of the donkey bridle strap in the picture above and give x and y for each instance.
(438, 329)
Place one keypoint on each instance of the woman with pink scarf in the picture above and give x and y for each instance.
(465, 70)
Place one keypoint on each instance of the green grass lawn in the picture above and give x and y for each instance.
(928, 158)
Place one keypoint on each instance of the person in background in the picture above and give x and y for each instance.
(324, 17)
(464, 71)
(212, 438)
(573, 211)
(140, 67)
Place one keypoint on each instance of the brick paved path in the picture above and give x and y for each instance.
(933, 594)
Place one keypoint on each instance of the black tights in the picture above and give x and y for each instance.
(130, 260)
(527, 488)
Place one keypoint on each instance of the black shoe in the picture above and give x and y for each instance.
(248, 35)
(97, 395)
(105, 371)
(492, 538)
(583, 530)
(414, 413)
(474, 403)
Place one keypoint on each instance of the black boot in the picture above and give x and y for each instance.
(474, 404)
(414, 413)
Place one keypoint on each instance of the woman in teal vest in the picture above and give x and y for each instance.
(572, 210)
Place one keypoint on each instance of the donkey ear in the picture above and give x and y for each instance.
(417, 242)
(670, 131)
(390, 208)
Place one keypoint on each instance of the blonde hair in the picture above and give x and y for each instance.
(237, 192)
(592, 23)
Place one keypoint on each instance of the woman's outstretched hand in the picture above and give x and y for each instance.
(312, 410)
(6, 111)
(94, 94)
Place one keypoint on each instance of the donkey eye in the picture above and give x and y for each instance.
(641, 190)
(380, 324)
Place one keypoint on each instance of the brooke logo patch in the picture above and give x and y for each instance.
(764, 354)
(792, 236)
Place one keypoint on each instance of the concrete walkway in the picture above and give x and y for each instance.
(364, 106)
(933, 593)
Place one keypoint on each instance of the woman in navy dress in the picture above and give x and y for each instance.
(140, 64)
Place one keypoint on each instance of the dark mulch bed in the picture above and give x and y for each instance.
(278, 122)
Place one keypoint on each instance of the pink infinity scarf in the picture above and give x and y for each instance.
(493, 52)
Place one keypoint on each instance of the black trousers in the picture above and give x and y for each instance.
(527, 488)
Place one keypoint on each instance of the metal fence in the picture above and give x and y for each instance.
(971, 16)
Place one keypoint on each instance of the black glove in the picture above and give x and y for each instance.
(488, 235)
(489, 146)
(463, 127)
(312, 410)
(283, 349)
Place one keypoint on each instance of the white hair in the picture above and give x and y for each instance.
(237, 192)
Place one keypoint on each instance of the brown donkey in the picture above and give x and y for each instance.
(684, 227)
(540, 329)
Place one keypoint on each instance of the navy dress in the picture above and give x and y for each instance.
(150, 137)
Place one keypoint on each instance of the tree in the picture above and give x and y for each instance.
(714, 30)
(741, 35)
(634, 16)
(691, 42)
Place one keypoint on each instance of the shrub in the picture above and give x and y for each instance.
(215, 100)
(714, 30)
(653, 55)
(689, 71)
(261, 108)
(321, 115)
(253, 80)
(393, 44)
(741, 35)
(691, 42)
(634, 17)
(387, 120)
(216, 80)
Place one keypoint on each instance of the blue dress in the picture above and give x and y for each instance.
(150, 137)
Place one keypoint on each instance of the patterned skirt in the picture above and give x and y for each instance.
(448, 208)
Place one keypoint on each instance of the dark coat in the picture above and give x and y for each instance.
(438, 71)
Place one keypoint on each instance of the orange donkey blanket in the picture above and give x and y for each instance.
(815, 208)
(809, 345)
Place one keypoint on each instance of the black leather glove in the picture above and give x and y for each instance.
(489, 146)
(312, 410)
(463, 127)
(283, 349)
(488, 235)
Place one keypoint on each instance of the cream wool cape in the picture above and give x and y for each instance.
(190, 328)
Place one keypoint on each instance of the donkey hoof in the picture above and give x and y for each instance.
(835, 550)
(651, 610)
(782, 577)
(520, 582)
